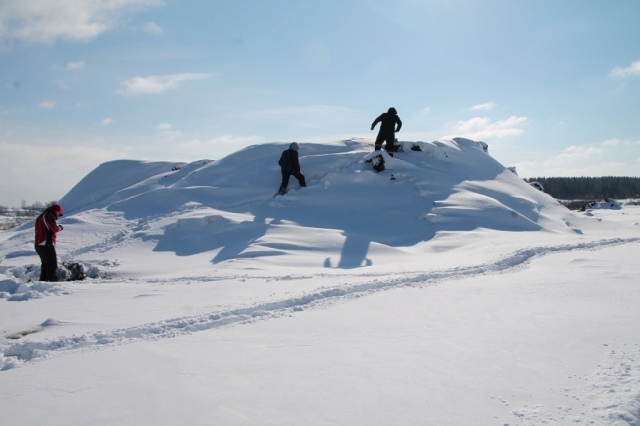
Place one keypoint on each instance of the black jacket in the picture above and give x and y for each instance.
(289, 161)
(388, 121)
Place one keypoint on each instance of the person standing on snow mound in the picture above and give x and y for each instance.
(289, 165)
(46, 229)
(388, 122)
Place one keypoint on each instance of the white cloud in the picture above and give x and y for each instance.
(219, 146)
(578, 153)
(302, 110)
(421, 116)
(153, 28)
(484, 107)
(231, 140)
(168, 134)
(47, 104)
(309, 117)
(482, 127)
(155, 84)
(75, 65)
(107, 121)
(46, 170)
(45, 21)
(631, 70)
(611, 142)
(577, 160)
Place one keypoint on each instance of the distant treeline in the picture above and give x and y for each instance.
(590, 188)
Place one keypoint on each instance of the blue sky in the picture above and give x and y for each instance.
(552, 86)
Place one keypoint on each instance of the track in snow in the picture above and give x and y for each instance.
(13, 354)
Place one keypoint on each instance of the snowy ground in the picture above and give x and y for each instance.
(441, 291)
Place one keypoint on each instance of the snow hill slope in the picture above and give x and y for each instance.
(224, 212)
(443, 290)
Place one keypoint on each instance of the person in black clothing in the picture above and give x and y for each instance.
(289, 165)
(389, 120)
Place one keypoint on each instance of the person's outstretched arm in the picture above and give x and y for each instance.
(376, 121)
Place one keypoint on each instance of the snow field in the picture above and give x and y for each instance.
(443, 290)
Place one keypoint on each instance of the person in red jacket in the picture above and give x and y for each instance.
(46, 229)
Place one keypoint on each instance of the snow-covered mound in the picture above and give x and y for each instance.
(446, 185)
(226, 210)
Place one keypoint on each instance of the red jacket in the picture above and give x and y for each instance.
(47, 227)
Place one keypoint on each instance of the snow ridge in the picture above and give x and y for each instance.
(14, 355)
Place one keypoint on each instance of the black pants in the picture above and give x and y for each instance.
(49, 262)
(287, 175)
(389, 138)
